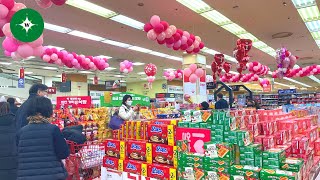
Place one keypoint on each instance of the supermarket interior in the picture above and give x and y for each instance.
(159, 90)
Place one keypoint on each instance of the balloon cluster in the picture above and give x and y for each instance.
(174, 38)
(264, 83)
(48, 3)
(150, 70)
(285, 61)
(193, 73)
(73, 60)
(7, 9)
(239, 78)
(126, 67)
(171, 74)
(257, 68)
(241, 53)
(300, 72)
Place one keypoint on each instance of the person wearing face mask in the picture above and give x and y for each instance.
(126, 111)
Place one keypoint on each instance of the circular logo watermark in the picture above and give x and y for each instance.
(27, 25)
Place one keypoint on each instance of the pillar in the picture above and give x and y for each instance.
(198, 90)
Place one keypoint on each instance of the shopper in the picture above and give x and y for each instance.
(288, 102)
(8, 149)
(41, 145)
(126, 111)
(13, 106)
(204, 105)
(221, 103)
(22, 113)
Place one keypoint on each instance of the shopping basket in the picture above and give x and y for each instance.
(85, 160)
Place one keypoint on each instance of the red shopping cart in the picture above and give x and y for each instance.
(85, 160)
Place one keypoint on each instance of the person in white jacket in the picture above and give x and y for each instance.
(126, 111)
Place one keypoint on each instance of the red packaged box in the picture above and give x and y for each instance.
(267, 128)
(144, 129)
(300, 145)
(286, 148)
(258, 139)
(161, 172)
(115, 148)
(163, 154)
(161, 133)
(137, 150)
(289, 125)
(254, 129)
(281, 137)
(134, 167)
(165, 121)
(116, 134)
(268, 142)
(111, 163)
(317, 147)
(302, 125)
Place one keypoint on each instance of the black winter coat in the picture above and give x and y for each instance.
(221, 104)
(23, 112)
(8, 150)
(40, 151)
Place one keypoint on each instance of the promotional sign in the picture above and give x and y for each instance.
(109, 84)
(267, 89)
(52, 90)
(21, 83)
(63, 77)
(116, 100)
(27, 25)
(74, 102)
(211, 85)
(175, 89)
(195, 136)
(287, 91)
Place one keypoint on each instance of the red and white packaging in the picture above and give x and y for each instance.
(317, 147)
(281, 137)
(268, 142)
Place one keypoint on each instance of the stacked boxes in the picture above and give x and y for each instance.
(251, 155)
(272, 158)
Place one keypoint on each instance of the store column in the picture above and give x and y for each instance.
(47, 81)
(79, 84)
(197, 91)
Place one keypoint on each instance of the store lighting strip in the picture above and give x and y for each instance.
(203, 9)
(281, 84)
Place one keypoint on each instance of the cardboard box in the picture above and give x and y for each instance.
(245, 172)
(161, 172)
(135, 167)
(164, 154)
(115, 148)
(244, 138)
(278, 174)
(113, 163)
(138, 150)
(160, 133)
(293, 165)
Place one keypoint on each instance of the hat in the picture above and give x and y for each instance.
(3, 99)
(204, 105)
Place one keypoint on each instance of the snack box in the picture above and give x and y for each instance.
(287, 148)
(230, 124)
(317, 147)
(129, 129)
(186, 173)
(135, 167)
(165, 121)
(191, 158)
(144, 129)
(186, 115)
(113, 163)
(245, 172)
(292, 164)
(161, 172)
(267, 128)
(300, 145)
(302, 125)
(196, 116)
(217, 162)
(268, 142)
(281, 137)
(138, 150)
(244, 138)
(182, 146)
(278, 175)
(183, 124)
(221, 150)
(115, 148)
(164, 154)
(272, 158)
(161, 133)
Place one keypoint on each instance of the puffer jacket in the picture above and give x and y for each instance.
(41, 147)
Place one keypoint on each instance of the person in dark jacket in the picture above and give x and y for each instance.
(8, 149)
(221, 103)
(204, 105)
(74, 133)
(13, 106)
(22, 113)
(41, 145)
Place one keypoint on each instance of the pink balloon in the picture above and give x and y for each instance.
(196, 44)
(3, 11)
(74, 62)
(198, 38)
(128, 65)
(184, 40)
(161, 36)
(38, 42)
(46, 58)
(107, 65)
(293, 61)
(168, 33)
(187, 72)
(173, 29)
(169, 45)
(18, 6)
(256, 68)
(177, 44)
(91, 65)
(186, 34)
(38, 51)
(126, 71)
(152, 35)
(193, 78)
(70, 57)
(10, 45)
(44, 3)
(155, 20)
(190, 48)
(285, 62)
(87, 61)
(8, 3)
(122, 65)
(193, 67)
(6, 30)
(199, 72)
(15, 56)
(25, 50)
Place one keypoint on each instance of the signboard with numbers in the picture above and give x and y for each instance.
(116, 100)
(74, 102)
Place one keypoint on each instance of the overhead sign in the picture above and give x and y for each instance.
(211, 85)
(27, 25)
(175, 89)
(195, 136)
(109, 84)
(116, 100)
(21, 83)
(74, 102)
(287, 91)
(52, 90)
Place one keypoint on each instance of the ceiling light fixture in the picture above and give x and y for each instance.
(141, 73)
(50, 68)
(140, 49)
(117, 43)
(28, 72)
(56, 28)
(103, 56)
(155, 53)
(197, 6)
(174, 58)
(138, 63)
(86, 35)
(85, 72)
(5, 63)
(282, 84)
(92, 8)
(110, 68)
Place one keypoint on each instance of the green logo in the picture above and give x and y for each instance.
(27, 25)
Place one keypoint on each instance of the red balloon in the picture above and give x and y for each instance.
(147, 27)
(9, 16)
(175, 48)
(196, 50)
(192, 37)
(176, 37)
(184, 47)
(48, 51)
(59, 2)
(159, 28)
(219, 58)
(150, 69)
(161, 42)
(169, 40)
(180, 32)
(246, 44)
(226, 66)
(189, 42)
(189, 52)
(165, 25)
(214, 67)
(201, 45)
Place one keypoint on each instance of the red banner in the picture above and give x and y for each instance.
(195, 136)
(52, 90)
(21, 73)
(74, 102)
(63, 77)
(95, 80)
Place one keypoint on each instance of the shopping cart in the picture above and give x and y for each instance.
(85, 160)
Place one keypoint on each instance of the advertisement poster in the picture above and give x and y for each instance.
(74, 102)
(116, 100)
(195, 136)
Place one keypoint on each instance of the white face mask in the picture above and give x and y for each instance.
(129, 103)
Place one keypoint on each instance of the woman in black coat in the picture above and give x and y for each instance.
(8, 150)
(41, 145)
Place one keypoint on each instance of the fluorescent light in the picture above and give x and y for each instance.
(234, 29)
(259, 44)
(138, 63)
(116, 43)
(85, 72)
(86, 35)
(141, 73)
(315, 35)
(229, 58)
(56, 28)
(314, 78)
(123, 81)
(119, 76)
(267, 49)
(210, 51)
(303, 3)
(103, 56)
(216, 17)
(297, 82)
(110, 68)
(197, 6)
(282, 84)
(310, 13)
(50, 68)
(158, 54)
(248, 36)
(143, 78)
(91, 7)
(28, 72)
(5, 63)
(128, 21)
(140, 49)
(169, 69)
(313, 25)
(174, 58)
(58, 48)
(30, 57)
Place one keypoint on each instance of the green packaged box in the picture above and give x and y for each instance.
(191, 158)
(183, 124)
(219, 150)
(230, 124)
(217, 161)
(291, 164)
(187, 173)
(203, 125)
(243, 138)
(277, 175)
(186, 115)
(274, 154)
(182, 146)
(245, 172)
(194, 125)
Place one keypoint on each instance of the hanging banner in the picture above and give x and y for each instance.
(116, 100)
(73, 102)
(21, 80)
(63, 77)
(95, 80)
